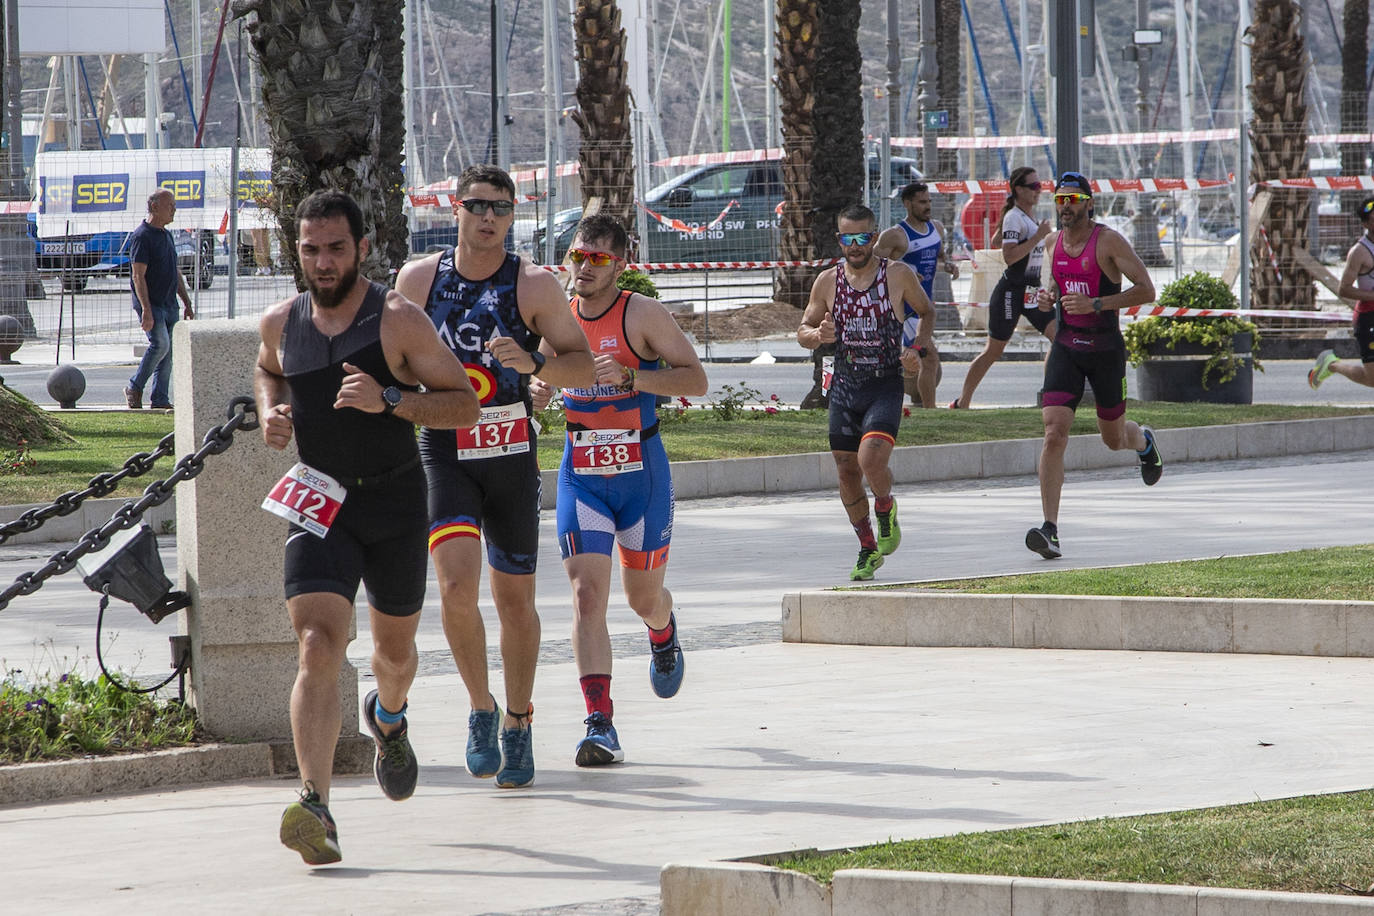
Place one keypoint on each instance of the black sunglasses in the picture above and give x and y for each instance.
(479, 207)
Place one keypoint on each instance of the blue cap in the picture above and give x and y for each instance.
(1076, 181)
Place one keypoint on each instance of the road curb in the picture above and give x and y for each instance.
(729, 888)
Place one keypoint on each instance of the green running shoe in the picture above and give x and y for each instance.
(889, 532)
(1321, 369)
(308, 828)
(869, 561)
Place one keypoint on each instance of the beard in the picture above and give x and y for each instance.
(329, 298)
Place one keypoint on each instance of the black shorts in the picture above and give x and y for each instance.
(497, 498)
(1364, 335)
(871, 407)
(377, 538)
(1007, 305)
(1066, 369)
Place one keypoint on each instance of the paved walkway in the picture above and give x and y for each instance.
(770, 746)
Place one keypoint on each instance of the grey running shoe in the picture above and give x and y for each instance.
(1043, 543)
(1151, 463)
(308, 828)
(396, 767)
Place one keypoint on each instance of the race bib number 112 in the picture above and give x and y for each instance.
(308, 498)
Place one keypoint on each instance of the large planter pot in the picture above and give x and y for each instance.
(1176, 375)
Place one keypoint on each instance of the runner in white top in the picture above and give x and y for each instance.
(1023, 249)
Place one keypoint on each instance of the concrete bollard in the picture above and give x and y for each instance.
(229, 551)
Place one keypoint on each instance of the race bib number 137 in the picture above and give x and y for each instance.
(502, 430)
(308, 498)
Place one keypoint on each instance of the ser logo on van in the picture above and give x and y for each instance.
(188, 188)
(100, 193)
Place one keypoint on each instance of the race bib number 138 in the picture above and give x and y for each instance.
(606, 451)
(308, 498)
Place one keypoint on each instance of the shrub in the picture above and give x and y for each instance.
(1196, 291)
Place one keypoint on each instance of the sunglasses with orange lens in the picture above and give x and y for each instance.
(597, 258)
(1071, 197)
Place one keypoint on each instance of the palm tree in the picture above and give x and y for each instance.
(606, 155)
(1279, 135)
(331, 89)
(797, 43)
(1354, 93)
(838, 169)
(948, 16)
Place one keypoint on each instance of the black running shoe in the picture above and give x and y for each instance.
(396, 767)
(1151, 463)
(1043, 543)
(308, 828)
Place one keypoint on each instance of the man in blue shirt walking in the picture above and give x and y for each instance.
(156, 285)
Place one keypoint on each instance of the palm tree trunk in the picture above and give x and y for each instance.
(1354, 97)
(1279, 135)
(606, 154)
(797, 43)
(331, 90)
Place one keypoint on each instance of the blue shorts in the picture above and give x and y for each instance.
(634, 508)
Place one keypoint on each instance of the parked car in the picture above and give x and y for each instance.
(747, 194)
(79, 257)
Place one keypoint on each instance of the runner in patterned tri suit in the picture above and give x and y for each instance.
(857, 305)
(492, 308)
(1357, 284)
(1023, 250)
(923, 250)
(1087, 263)
(340, 368)
(614, 484)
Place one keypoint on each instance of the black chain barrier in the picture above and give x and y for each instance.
(138, 464)
(242, 414)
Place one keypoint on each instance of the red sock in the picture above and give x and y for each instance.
(661, 637)
(864, 529)
(883, 504)
(596, 690)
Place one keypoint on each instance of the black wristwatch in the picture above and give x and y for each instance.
(1097, 305)
(539, 360)
(391, 399)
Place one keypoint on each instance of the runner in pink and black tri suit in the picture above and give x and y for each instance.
(1087, 263)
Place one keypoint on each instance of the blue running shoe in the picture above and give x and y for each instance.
(308, 828)
(666, 664)
(395, 767)
(601, 746)
(517, 745)
(483, 751)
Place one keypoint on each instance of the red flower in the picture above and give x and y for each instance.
(906, 411)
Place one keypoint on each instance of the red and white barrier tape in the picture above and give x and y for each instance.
(678, 225)
(712, 265)
(1273, 261)
(1325, 183)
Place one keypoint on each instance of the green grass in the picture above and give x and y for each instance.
(1330, 573)
(1310, 844)
(104, 441)
(55, 717)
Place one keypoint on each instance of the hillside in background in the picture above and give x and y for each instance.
(455, 75)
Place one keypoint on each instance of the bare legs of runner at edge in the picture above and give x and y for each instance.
(1357, 284)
